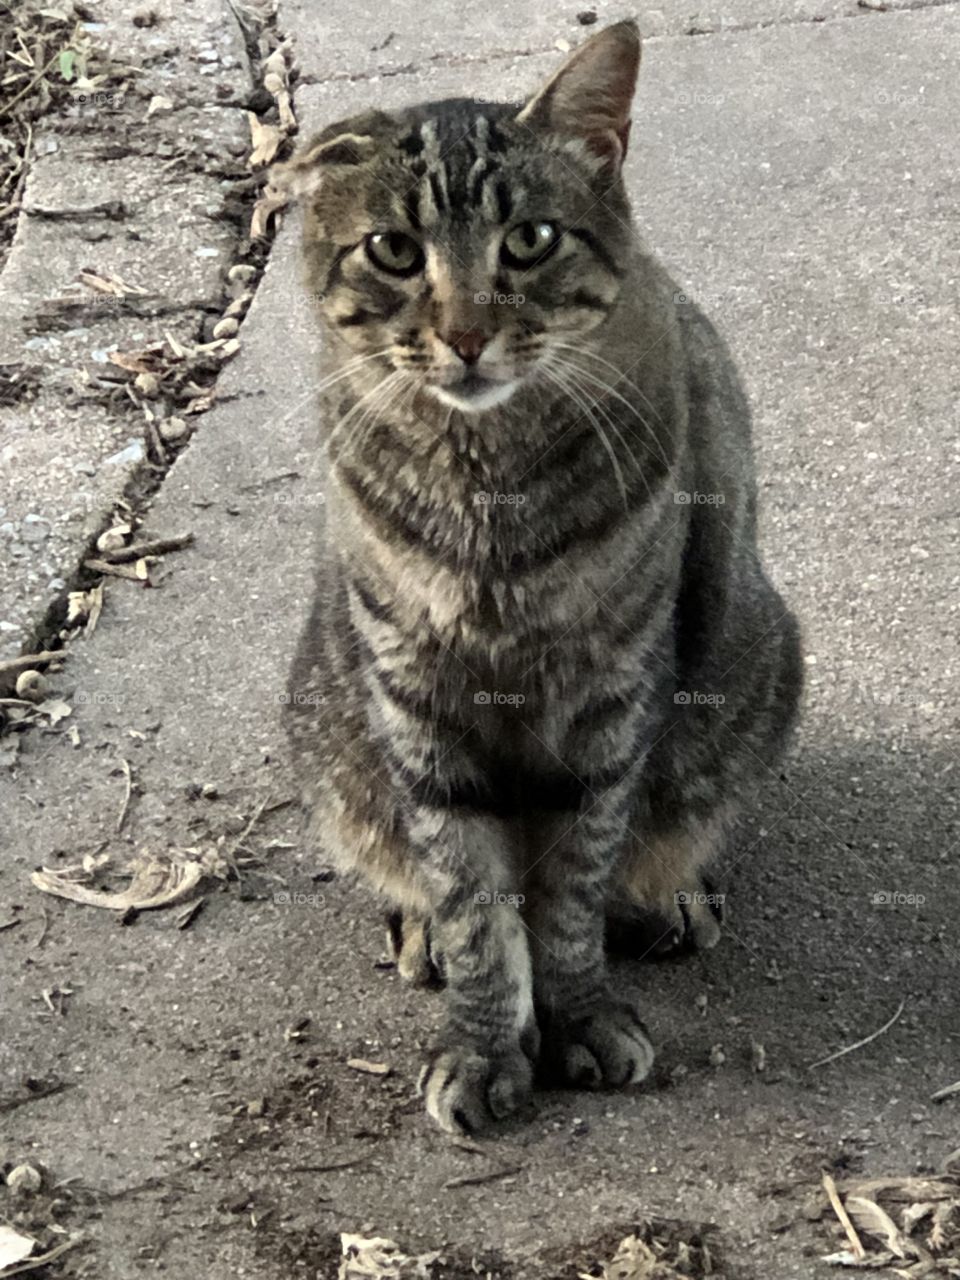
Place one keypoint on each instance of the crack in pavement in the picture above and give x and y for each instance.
(452, 59)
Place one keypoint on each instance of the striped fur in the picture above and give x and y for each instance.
(536, 684)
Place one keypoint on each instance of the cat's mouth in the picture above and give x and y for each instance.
(475, 392)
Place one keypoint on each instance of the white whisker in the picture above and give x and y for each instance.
(611, 390)
(557, 378)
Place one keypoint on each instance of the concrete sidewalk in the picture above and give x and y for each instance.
(800, 179)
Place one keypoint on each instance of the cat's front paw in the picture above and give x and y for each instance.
(607, 1048)
(466, 1090)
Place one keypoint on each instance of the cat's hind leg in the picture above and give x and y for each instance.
(662, 901)
(412, 947)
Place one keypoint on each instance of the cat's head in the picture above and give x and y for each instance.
(463, 242)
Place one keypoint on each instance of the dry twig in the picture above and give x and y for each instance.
(841, 1053)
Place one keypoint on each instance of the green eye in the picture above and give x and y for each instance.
(529, 243)
(394, 251)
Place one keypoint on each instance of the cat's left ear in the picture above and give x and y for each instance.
(339, 149)
(589, 98)
(301, 177)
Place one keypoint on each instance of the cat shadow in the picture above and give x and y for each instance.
(838, 905)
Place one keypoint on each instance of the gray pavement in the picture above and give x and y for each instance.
(800, 179)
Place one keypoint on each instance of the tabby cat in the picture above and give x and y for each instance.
(543, 665)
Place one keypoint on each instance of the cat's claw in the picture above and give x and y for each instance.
(466, 1091)
(608, 1048)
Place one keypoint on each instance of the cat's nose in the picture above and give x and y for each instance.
(467, 343)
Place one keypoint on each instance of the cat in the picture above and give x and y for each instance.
(543, 665)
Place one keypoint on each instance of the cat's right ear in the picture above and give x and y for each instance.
(301, 177)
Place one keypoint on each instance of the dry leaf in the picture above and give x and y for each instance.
(270, 202)
(56, 709)
(115, 536)
(158, 103)
(902, 1189)
(847, 1258)
(14, 1247)
(155, 883)
(288, 121)
(148, 360)
(276, 65)
(265, 140)
(937, 1239)
(200, 404)
(869, 1217)
(915, 1213)
(369, 1068)
(106, 282)
(85, 606)
(635, 1260)
(376, 1258)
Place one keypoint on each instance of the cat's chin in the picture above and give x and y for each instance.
(475, 396)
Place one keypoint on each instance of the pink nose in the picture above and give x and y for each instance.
(467, 343)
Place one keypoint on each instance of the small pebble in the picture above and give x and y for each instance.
(31, 686)
(226, 327)
(35, 529)
(132, 453)
(24, 1179)
(173, 429)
